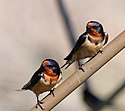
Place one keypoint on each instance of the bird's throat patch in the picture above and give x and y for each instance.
(50, 79)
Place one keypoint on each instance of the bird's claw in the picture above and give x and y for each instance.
(101, 51)
(80, 68)
(52, 92)
(39, 104)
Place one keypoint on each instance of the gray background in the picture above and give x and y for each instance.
(33, 30)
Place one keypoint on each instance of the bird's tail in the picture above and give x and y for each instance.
(18, 89)
(68, 63)
(23, 88)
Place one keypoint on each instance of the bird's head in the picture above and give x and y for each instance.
(94, 27)
(51, 66)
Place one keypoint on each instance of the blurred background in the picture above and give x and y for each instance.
(33, 30)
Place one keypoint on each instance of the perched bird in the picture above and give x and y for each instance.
(88, 44)
(44, 79)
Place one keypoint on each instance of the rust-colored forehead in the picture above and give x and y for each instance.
(45, 62)
(91, 24)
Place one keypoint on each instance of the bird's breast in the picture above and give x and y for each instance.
(87, 49)
(45, 84)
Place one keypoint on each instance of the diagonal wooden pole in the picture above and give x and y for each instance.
(79, 77)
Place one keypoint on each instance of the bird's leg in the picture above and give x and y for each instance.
(64, 65)
(80, 66)
(68, 63)
(52, 92)
(101, 51)
(39, 103)
(50, 81)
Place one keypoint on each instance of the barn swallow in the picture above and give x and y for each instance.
(44, 79)
(88, 44)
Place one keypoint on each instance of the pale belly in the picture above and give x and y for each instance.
(86, 51)
(43, 86)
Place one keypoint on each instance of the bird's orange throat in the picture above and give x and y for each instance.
(50, 76)
(95, 35)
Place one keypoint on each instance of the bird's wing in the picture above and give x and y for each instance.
(35, 78)
(79, 42)
(106, 38)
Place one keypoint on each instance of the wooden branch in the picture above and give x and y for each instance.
(79, 77)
